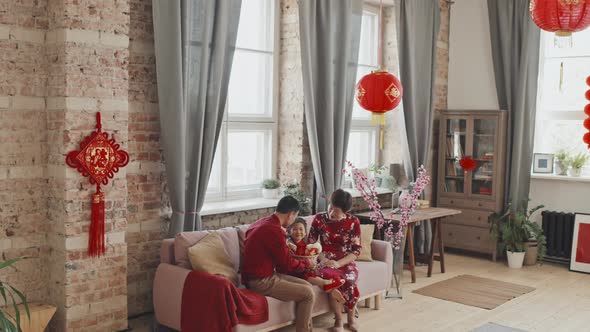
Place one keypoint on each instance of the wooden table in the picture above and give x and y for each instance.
(435, 215)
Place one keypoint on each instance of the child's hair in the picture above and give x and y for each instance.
(297, 221)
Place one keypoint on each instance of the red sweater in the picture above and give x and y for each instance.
(265, 250)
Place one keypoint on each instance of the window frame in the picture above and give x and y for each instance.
(364, 124)
(251, 123)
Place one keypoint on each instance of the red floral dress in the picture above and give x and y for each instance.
(338, 239)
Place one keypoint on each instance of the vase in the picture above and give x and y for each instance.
(560, 168)
(395, 200)
(270, 193)
(574, 172)
(515, 259)
(531, 253)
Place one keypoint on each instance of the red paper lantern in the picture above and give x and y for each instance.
(587, 94)
(587, 109)
(587, 139)
(379, 92)
(587, 123)
(561, 16)
(468, 164)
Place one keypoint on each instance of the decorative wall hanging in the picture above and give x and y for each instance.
(98, 159)
(379, 92)
(580, 258)
(587, 111)
(468, 164)
(562, 17)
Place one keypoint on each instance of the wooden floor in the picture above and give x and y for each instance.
(561, 302)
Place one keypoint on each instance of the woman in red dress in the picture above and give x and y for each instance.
(340, 236)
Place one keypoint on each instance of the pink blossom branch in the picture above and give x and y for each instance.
(368, 191)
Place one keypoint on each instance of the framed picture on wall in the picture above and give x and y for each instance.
(580, 259)
(543, 163)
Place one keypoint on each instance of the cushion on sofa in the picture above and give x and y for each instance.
(209, 255)
(366, 239)
(185, 240)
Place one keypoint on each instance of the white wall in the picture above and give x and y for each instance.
(471, 73)
(472, 86)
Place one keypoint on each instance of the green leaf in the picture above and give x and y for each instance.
(3, 292)
(16, 312)
(8, 322)
(9, 262)
(23, 300)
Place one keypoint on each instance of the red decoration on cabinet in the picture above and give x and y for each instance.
(98, 159)
(468, 164)
(561, 16)
(379, 92)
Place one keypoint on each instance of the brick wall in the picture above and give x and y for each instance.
(23, 137)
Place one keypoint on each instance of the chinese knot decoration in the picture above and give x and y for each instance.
(468, 164)
(587, 111)
(98, 159)
(561, 16)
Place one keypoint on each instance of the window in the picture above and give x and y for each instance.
(362, 143)
(246, 151)
(562, 84)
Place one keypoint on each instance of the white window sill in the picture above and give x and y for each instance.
(355, 193)
(554, 177)
(237, 205)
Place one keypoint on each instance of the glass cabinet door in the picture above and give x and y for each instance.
(454, 145)
(484, 138)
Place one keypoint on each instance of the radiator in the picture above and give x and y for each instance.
(559, 229)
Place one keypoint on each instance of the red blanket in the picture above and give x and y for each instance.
(212, 303)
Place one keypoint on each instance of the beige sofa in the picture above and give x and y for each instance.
(374, 279)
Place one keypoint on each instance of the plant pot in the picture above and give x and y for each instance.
(531, 252)
(574, 172)
(560, 168)
(270, 193)
(515, 259)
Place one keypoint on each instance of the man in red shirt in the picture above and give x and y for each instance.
(265, 252)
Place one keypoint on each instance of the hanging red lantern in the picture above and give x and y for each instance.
(586, 137)
(468, 164)
(587, 123)
(561, 16)
(379, 92)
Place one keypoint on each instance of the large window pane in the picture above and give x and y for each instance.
(250, 84)
(256, 27)
(555, 135)
(570, 95)
(357, 111)
(580, 45)
(369, 40)
(214, 185)
(361, 148)
(248, 157)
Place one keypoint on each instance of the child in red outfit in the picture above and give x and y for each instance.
(298, 247)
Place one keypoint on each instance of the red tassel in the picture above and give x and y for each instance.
(96, 235)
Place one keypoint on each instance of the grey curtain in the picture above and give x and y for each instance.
(330, 36)
(195, 43)
(515, 53)
(418, 25)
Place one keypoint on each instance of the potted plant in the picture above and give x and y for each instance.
(561, 162)
(270, 188)
(10, 295)
(374, 172)
(293, 189)
(520, 236)
(577, 162)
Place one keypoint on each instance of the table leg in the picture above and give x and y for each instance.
(411, 252)
(441, 247)
(434, 223)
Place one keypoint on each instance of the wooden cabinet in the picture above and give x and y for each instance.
(479, 135)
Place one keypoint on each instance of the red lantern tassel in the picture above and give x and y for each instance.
(96, 236)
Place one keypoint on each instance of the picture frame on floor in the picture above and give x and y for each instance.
(580, 258)
(543, 163)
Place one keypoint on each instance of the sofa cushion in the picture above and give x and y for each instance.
(372, 277)
(209, 255)
(185, 240)
(366, 239)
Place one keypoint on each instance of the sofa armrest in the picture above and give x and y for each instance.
(167, 293)
(381, 251)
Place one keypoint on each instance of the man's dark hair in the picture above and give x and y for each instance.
(298, 221)
(288, 204)
(341, 199)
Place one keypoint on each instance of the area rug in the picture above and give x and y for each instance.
(493, 327)
(475, 291)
